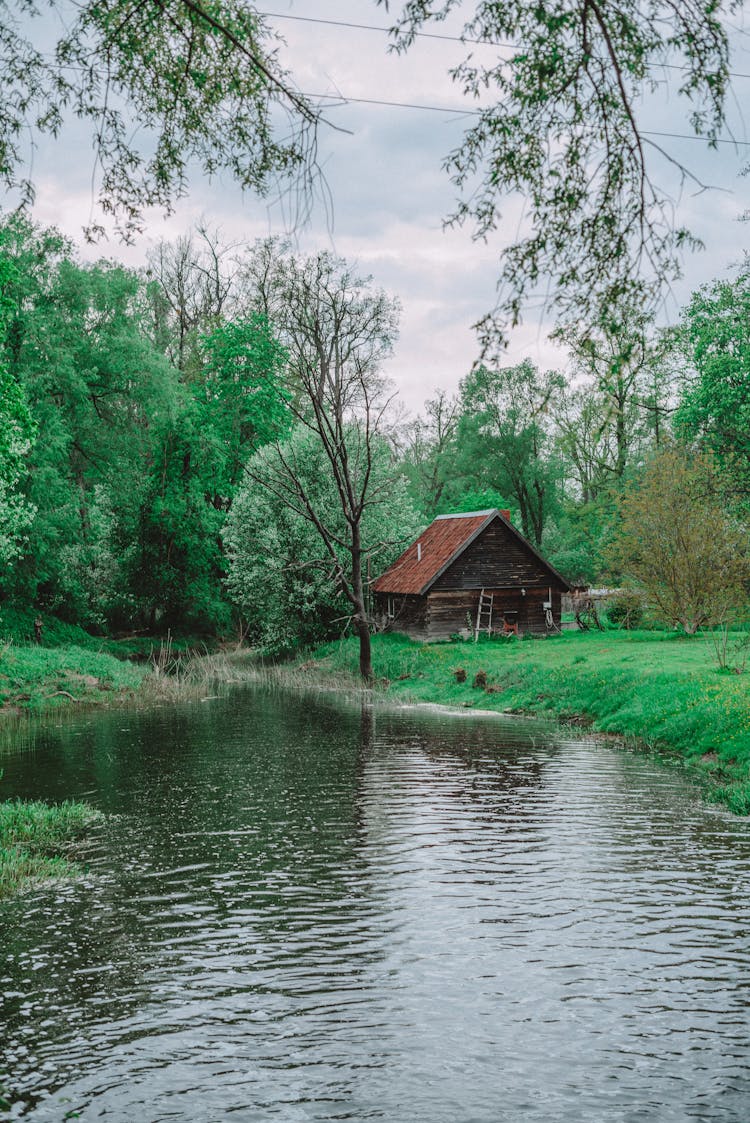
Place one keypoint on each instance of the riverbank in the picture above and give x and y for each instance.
(659, 689)
(662, 690)
(36, 838)
(38, 841)
(36, 679)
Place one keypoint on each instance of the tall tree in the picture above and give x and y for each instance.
(225, 403)
(281, 574)
(202, 81)
(337, 331)
(193, 282)
(141, 456)
(17, 430)
(504, 438)
(624, 361)
(715, 408)
(229, 404)
(430, 450)
(95, 385)
(676, 539)
(613, 361)
(585, 442)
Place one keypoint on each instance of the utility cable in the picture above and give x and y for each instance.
(477, 112)
(436, 35)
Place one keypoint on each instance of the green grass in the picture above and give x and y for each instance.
(37, 678)
(662, 689)
(17, 626)
(36, 841)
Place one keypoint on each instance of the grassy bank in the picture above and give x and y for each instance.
(660, 688)
(37, 841)
(39, 678)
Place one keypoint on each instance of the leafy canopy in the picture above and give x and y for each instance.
(677, 541)
(503, 439)
(716, 406)
(161, 83)
(560, 125)
(17, 430)
(281, 572)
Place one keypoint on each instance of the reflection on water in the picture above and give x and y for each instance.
(302, 909)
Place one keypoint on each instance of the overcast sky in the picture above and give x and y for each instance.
(390, 195)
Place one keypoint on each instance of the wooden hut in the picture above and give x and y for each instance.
(467, 574)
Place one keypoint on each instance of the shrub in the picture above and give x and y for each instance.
(625, 610)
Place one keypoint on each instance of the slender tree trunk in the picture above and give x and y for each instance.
(365, 650)
(362, 623)
(621, 434)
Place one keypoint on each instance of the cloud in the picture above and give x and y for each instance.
(390, 194)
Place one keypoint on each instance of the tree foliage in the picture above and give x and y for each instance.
(199, 78)
(163, 83)
(232, 398)
(561, 125)
(336, 330)
(677, 541)
(95, 386)
(716, 407)
(430, 452)
(17, 432)
(231, 404)
(140, 458)
(504, 438)
(280, 570)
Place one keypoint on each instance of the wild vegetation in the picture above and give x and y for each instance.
(38, 841)
(562, 125)
(221, 455)
(208, 450)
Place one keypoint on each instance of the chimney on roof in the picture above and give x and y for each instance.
(505, 514)
(419, 551)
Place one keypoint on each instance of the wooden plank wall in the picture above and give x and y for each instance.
(448, 610)
(451, 612)
(410, 614)
(495, 559)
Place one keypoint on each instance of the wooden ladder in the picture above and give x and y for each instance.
(484, 614)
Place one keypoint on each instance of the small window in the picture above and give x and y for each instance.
(390, 608)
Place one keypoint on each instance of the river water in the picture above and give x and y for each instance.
(302, 909)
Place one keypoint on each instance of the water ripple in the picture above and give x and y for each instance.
(307, 911)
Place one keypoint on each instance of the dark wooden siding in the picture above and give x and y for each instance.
(444, 614)
(495, 559)
(450, 613)
(410, 614)
(447, 610)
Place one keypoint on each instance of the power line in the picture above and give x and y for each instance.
(385, 30)
(343, 100)
(689, 136)
(436, 35)
(455, 110)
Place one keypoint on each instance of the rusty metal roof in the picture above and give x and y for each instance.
(438, 546)
(431, 553)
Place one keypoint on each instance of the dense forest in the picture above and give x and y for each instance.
(209, 444)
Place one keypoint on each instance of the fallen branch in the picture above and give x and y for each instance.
(65, 694)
